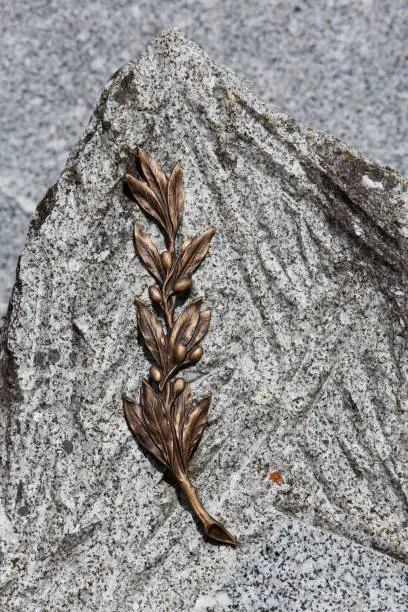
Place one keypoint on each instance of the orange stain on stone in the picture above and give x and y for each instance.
(277, 478)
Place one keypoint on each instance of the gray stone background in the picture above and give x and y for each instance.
(339, 66)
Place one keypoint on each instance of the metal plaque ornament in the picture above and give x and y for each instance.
(166, 421)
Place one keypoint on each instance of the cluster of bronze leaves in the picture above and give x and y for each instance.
(166, 421)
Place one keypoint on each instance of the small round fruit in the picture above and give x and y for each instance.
(196, 353)
(155, 374)
(166, 259)
(182, 285)
(179, 385)
(154, 294)
(185, 244)
(180, 352)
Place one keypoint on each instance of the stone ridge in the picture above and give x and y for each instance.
(306, 359)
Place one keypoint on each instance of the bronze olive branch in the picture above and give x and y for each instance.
(166, 421)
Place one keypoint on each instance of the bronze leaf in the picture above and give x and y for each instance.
(182, 406)
(165, 421)
(201, 329)
(152, 332)
(157, 421)
(186, 324)
(146, 199)
(155, 177)
(134, 417)
(149, 254)
(176, 195)
(193, 426)
(188, 261)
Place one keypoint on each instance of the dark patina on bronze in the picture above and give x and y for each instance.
(166, 421)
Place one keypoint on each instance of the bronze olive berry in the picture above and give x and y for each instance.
(180, 352)
(155, 374)
(179, 385)
(182, 285)
(154, 293)
(196, 353)
(166, 259)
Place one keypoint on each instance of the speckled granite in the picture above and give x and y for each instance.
(336, 66)
(300, 568)
(13, 226)
(306, 359)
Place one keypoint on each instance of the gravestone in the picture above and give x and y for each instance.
(305, 453)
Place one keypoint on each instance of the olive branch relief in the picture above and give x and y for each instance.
(166, 421)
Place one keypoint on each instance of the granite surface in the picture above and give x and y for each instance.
(14, 221)
(337, 66)
(300, 568)
(306, 358)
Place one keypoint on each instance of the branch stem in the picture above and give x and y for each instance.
(212, 528)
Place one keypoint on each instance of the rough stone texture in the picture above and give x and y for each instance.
(13, 223)
(306, 359)
(337, 66)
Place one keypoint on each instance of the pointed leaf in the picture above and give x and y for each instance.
(190, 259)
(201, 329)
(186, 324)
(182, 407)
(152, 332)
(175, 196)
(134, 417)
(155, 177)
(146, 199)
(157, 422)
(149, 254)
(193, 426)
